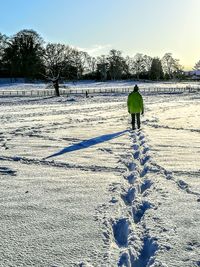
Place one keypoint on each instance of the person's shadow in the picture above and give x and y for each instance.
(87, 143)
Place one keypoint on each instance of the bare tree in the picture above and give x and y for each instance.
(56, 59)
(170, 65)
(117, 64)
(80, 62)
(147, 64)
(138, 65)
(129, 66)
(92, 64)
(3, 44)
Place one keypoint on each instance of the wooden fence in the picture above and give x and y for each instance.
(71, 91)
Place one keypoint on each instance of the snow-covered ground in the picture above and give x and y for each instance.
(79, 188)
(91, 84)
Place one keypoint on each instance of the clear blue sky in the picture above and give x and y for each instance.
(150, 27)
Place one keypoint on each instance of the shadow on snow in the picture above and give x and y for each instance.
(87, 143)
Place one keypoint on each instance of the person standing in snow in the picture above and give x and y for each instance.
(135, 106)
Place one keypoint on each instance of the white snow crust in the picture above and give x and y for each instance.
(78, 187)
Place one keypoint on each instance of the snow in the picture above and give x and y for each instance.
(79, 188)
(91, 85)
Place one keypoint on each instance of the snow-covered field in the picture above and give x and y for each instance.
(91, 84)
(79, 188)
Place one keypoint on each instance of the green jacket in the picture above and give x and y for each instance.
(135, 103)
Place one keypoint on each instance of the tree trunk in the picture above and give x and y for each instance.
(56, 87)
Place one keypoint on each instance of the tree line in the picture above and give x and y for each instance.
(26, 55)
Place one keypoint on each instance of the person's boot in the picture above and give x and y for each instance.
(133, 127)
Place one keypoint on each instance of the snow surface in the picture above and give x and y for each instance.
(79, 188)
(91, 84)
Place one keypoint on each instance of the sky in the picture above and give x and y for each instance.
(151, 27)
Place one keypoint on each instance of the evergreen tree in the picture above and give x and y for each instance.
(156, 71)
(102, 68)
(197, 66)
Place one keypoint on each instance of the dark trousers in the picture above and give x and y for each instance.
(137, 116)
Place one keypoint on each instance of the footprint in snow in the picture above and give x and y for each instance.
(136, 155)
(139, 210)
(121, 231)
(145, 159)
(144, 171)
(145, 150)
(145, 185)
(135, 147)
(124, 260)
(129, 195)
(131, 166)
(183, 185)
(132, 177)
(142, 142)
(141, 137)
